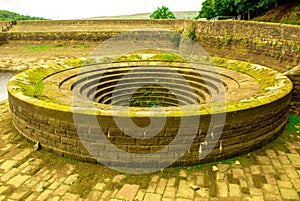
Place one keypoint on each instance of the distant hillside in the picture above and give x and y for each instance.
(178, 15)
(7, 16)
(287, 14)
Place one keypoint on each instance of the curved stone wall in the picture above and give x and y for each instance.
(42, 104)
(273, 45)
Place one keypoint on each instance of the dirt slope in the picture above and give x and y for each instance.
(287, 14)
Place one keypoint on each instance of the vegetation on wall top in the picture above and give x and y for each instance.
(287, 14)
(245, 9)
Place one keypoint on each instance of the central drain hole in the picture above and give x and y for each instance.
(153, 95)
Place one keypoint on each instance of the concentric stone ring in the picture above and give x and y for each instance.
(89, 85)
(257, 103)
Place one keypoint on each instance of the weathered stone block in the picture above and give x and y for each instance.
(69, 141)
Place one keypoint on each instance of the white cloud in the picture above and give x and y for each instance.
(72, 9)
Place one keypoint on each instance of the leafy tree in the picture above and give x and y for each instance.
(207, 10)
(265, 4)
(213, 8)
(162, 13)
(8, 16)
(224, 7)
(246, 8)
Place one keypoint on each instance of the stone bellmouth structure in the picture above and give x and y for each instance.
(53, 103)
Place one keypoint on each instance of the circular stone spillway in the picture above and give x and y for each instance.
(58, 106)
(152, 107)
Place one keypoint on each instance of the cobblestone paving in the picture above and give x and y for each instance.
(269, 174)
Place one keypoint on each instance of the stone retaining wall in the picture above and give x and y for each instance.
(111, 23)
(294, 75)
(56, 37)
(273, 45)
(93, 25)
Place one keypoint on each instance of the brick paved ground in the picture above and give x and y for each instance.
(268, 174)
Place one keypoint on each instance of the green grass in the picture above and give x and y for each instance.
(33, 85)
(290, 134)
(170, 57)
(210, 180)
(293, 127)
(141, 180)
(247, 160)
(51, 47)
(34, 90)
(294, 123)
(245, 190)
(192, 32)
(290, 21)
(232, 180)
(39, 48)
(257, 181)
(88, 178)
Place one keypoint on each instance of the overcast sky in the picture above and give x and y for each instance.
(73, 9)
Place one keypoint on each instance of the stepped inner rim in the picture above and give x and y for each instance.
(155, 83)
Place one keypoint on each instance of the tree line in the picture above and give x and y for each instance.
(245, 9)
(10, 16)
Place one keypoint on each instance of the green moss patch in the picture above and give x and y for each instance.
(273, 85)
(151, 55)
